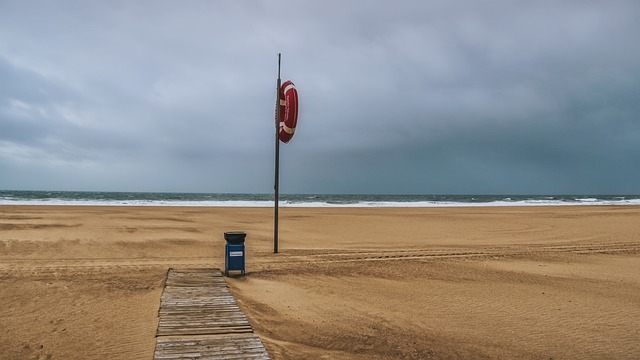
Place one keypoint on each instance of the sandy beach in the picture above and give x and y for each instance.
(558, 282)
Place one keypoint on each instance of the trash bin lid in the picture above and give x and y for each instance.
(235, 237)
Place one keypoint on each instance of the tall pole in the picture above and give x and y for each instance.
(277, 175)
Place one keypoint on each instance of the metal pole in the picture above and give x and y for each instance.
(277, 172)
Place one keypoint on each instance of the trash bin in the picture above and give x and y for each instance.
(234, 252)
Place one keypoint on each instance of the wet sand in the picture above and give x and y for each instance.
(367, 283)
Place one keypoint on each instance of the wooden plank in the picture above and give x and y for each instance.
(246, 346)
(197, 302)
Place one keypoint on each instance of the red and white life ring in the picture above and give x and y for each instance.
(288, 111)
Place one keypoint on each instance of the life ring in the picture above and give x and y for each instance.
(288, 111)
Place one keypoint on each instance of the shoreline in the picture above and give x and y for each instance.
(303, 200)
(341, 206)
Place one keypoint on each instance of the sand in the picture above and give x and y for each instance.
(416, 283)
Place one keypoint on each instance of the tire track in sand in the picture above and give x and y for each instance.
(330, 256)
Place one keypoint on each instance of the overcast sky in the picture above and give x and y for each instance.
(427, 97)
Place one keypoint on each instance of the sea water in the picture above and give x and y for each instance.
(10, 197)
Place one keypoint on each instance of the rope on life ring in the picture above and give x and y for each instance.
(288, 111)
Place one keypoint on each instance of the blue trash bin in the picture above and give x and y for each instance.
(234, 258)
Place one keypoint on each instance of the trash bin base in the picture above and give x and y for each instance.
(234, 258)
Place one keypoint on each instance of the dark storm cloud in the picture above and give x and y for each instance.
(418, 97)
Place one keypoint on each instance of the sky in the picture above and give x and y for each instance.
(396, 97)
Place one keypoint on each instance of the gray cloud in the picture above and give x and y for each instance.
(410, 97)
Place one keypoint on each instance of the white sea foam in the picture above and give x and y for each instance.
(314, 202)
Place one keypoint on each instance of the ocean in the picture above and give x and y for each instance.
(10, 197)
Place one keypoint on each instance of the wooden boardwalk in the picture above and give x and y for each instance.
(199, 319)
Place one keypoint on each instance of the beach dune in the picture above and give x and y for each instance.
(80, 282)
